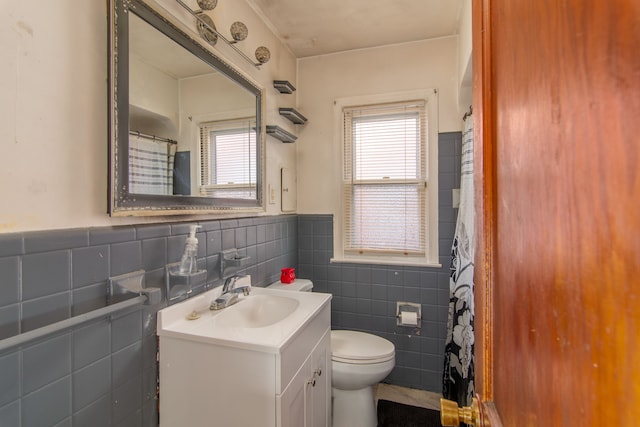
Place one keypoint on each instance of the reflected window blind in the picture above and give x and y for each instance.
(227, 158)
(385, 179)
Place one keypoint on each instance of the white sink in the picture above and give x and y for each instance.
(265, 320)
(250, 364)
(257, 311)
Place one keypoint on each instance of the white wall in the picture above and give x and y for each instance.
(464, 57)
(153, 90)
(53, 109)
(53, 112)
(323, 79)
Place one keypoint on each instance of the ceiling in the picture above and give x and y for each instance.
(318, 27)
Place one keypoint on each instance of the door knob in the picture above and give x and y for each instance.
(452, 415)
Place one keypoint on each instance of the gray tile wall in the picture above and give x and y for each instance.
(104, 372)
(365, 296)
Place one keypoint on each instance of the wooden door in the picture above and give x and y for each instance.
(557, 137)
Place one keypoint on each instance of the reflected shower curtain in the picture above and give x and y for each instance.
(151, 163)
(459, 360)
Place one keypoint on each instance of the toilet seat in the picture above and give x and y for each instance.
(360, 348)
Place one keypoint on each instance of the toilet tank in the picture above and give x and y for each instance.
(301, 285)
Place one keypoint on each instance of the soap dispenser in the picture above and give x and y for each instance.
(188, 262)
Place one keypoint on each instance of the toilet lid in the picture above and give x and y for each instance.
(360, 347)
(301, 285)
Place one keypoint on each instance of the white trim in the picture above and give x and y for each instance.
(386, 261)
(430, 95)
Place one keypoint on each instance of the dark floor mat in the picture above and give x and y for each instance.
(393, 414)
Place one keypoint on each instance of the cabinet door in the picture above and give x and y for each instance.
(293, 401)
(306, 402)
(319, 401)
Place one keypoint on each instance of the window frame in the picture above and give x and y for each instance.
(431, 256)
(228, 127)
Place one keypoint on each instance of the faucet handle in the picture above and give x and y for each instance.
(230, 282)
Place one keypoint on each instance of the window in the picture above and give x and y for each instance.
(227, 159)
(388, 206)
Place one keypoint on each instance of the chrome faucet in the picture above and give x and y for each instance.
(230, 293)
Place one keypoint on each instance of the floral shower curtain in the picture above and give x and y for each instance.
(459, 360)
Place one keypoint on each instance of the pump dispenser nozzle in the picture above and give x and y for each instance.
(188, 261)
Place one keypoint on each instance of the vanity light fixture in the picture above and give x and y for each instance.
(239, 32)
(206, 29)
(207, 4)
(262, 55)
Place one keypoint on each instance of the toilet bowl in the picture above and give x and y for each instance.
(358, 361)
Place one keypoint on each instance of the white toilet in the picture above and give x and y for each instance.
(358, 361)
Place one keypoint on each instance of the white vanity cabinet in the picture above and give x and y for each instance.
(306, 401)
(210, 381)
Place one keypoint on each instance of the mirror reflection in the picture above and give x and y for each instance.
(193, 137)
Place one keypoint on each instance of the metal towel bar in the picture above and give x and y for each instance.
(22, 339)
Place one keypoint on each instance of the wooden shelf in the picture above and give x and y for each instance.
(293, 115)
(281, 134)
(283, 86)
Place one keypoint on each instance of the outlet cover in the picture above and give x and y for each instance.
(272, 194)
(455, 197)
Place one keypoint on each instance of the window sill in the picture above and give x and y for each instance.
(379, 261)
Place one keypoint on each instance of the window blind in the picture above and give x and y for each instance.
(385, 179)
(227, 159)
